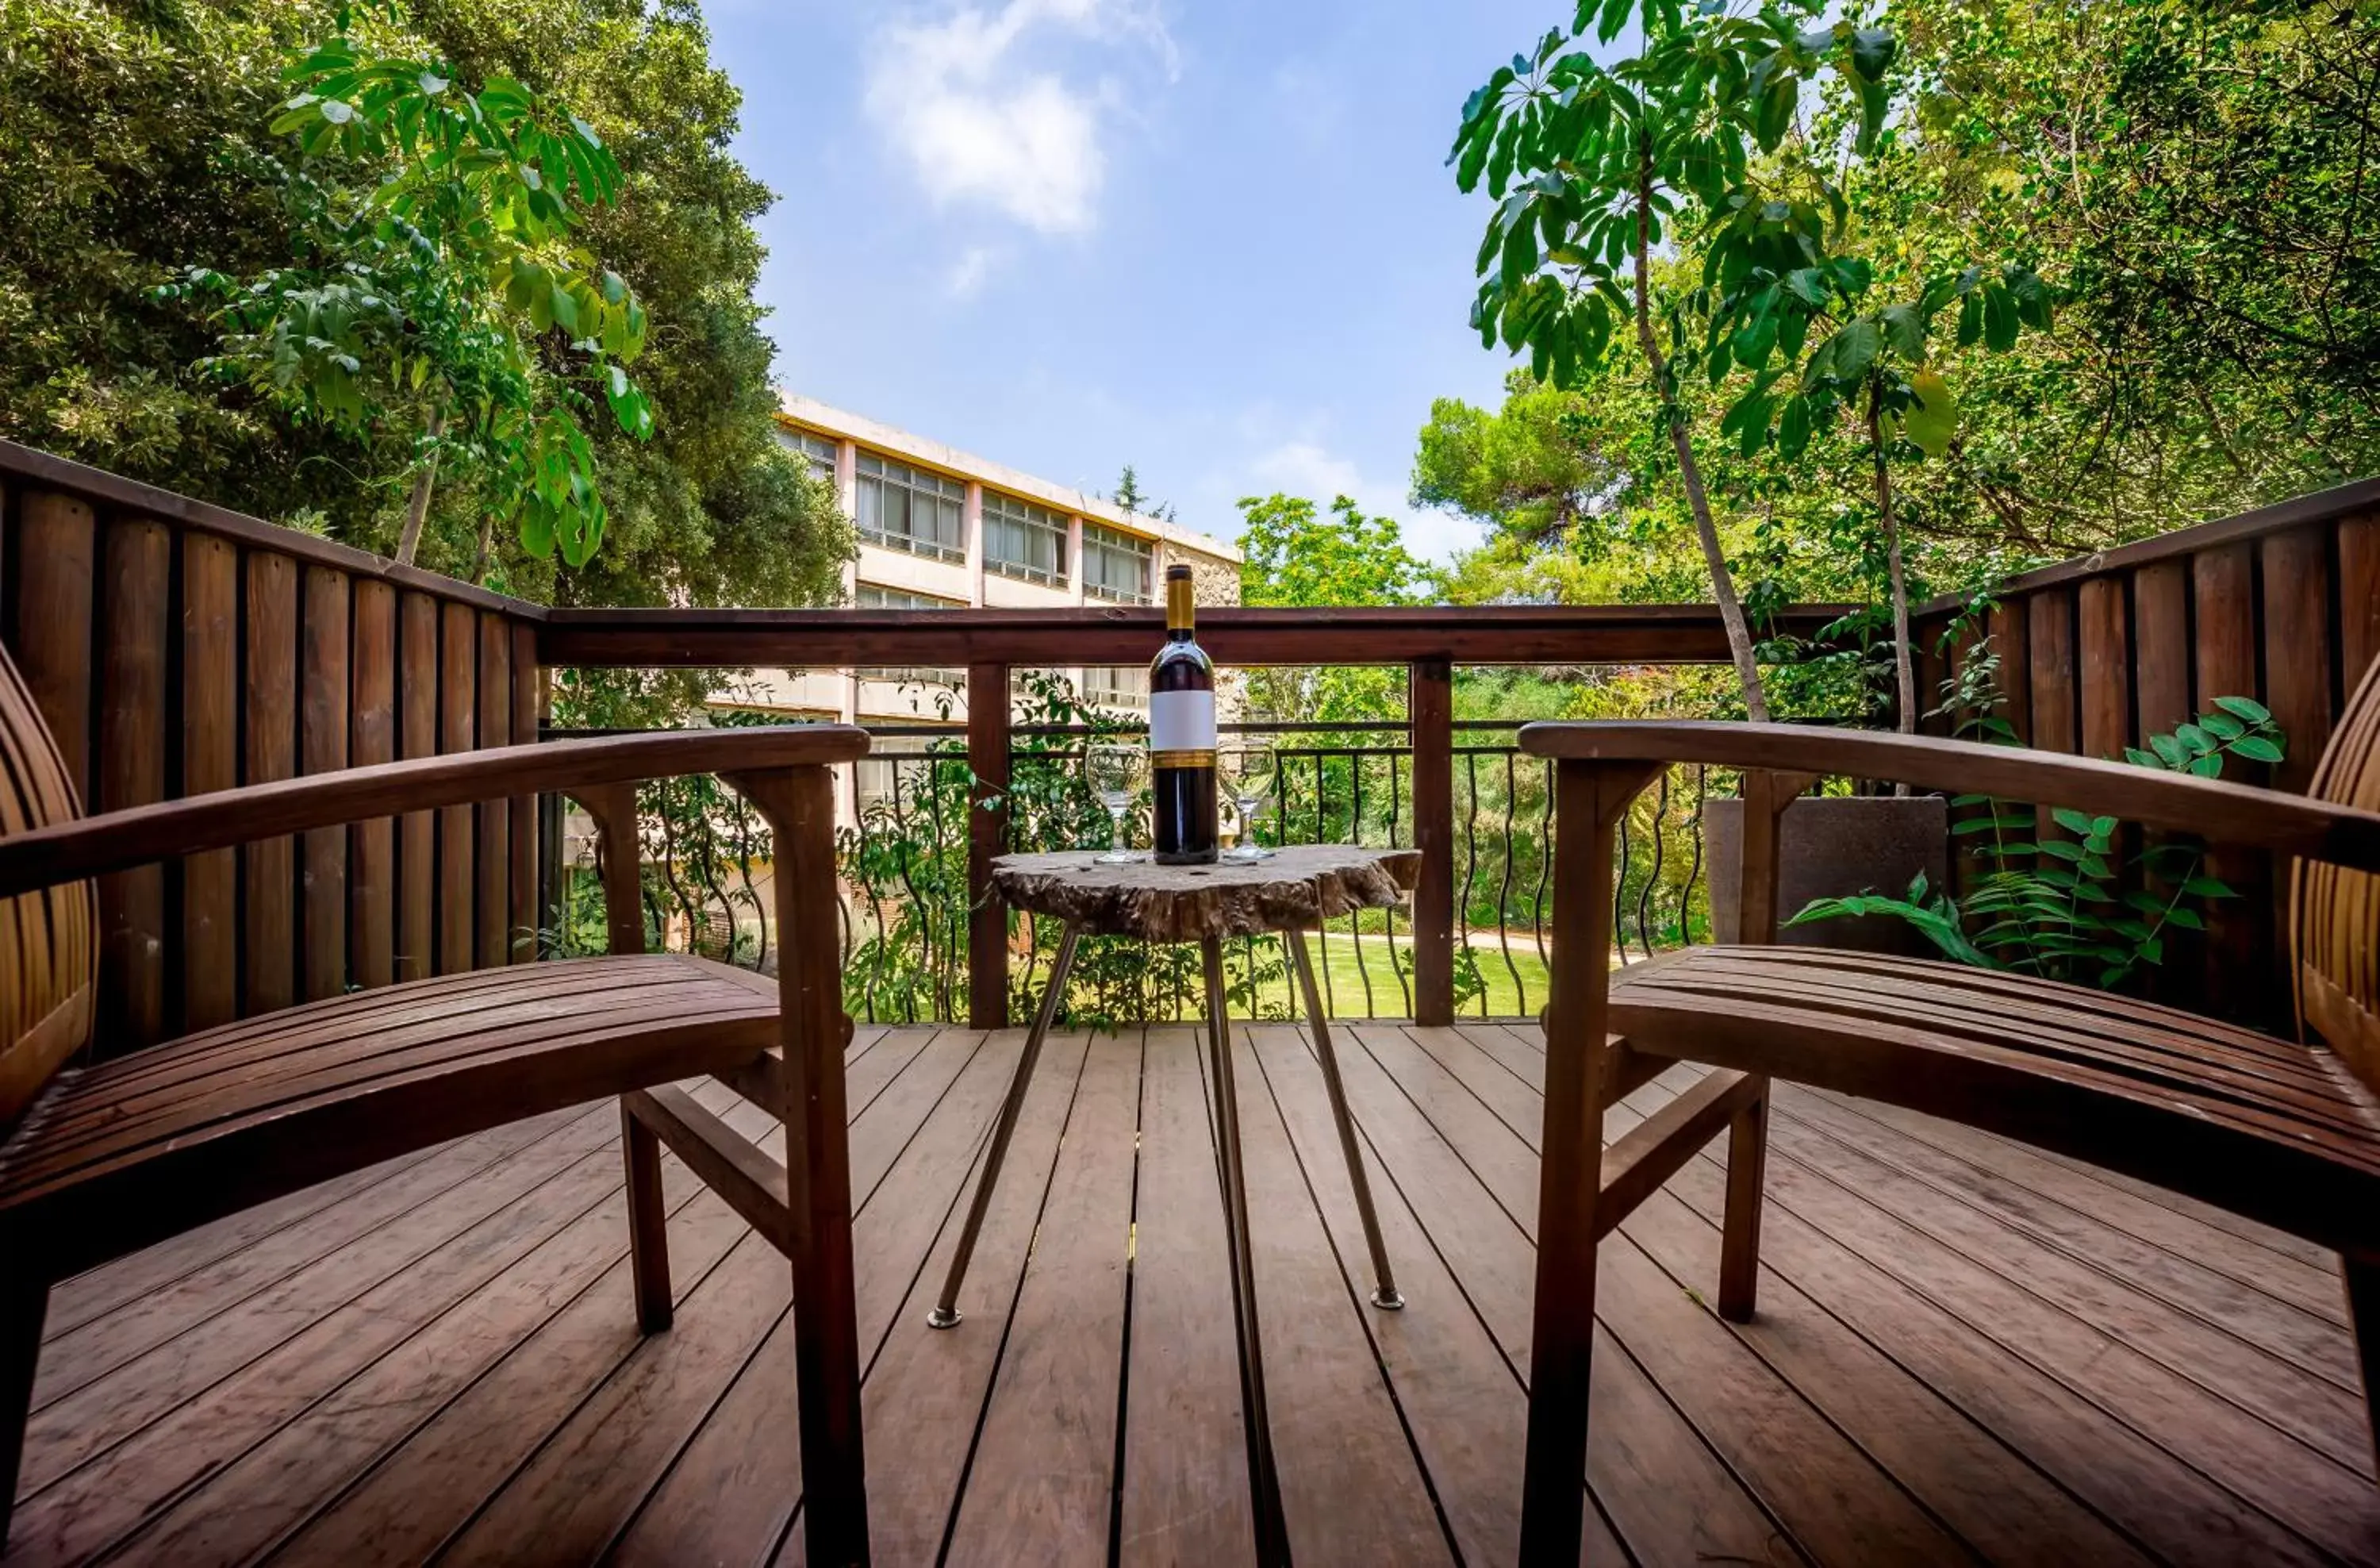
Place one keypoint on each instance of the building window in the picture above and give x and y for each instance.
(1021, 539)
(1115, 566)
(870, 597)
(906, 508)
(1116, 686)
(817, 450)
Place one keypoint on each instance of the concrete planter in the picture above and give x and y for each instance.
(1833, 846)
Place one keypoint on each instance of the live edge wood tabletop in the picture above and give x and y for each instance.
(2283, 1131)
(100, 1158)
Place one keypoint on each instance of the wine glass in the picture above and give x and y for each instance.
(1247, 774)
(1115, 774)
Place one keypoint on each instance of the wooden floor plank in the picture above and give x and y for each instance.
(1964, 1346)
(150, 1318)
(1039, 1486)
(1351, 1486)
(1464, 1402)
(116, 1488)
(435, 1485)
(1670, 1497)
(126, 1281)
(925, 1388)
(2262, 1465)
(126, 1401)
(1185, 1478)
(2308, 1340)
(2066, 1192)
(2116, 1467)
(269, 1492)
(2316, 1411)
(731, 1491)
(1828, 1492)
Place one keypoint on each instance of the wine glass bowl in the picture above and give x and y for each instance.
(1115, 775)
(1247, 774)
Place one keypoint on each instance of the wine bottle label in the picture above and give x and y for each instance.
(1182, 729)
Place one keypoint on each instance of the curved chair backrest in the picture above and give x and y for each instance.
(49, 952)
(2335, 914)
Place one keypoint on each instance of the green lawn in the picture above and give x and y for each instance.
(1344, 963)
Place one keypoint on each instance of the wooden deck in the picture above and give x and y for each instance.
(1965, 1349)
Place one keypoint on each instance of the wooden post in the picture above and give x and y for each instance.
(458, 705)
(1589, 800)
(799, 804)
(986, 837)
(323, 684)
(371, 737)
(130, 769)
(210, 958)
(268, 751)
(417, 844)
(1431, 701)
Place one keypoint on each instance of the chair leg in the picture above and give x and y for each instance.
(648, 1223)
(23, 1303)
(2363, 1312)
(1747, 1163)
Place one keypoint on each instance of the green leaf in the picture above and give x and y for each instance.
(2246, 707)
(1999, 320)
(1934, 420)
(2073, 821)
(1872, 51)
(2256, 748)
(1614, 18)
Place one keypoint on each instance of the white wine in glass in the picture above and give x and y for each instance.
(1247, 774)
(1115, 775)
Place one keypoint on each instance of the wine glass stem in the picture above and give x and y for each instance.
(1115, 830)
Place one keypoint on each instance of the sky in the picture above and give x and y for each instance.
(1212, 239)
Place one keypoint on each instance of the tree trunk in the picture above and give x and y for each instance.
(417, 509)
(1730, 609)
(1903, 656)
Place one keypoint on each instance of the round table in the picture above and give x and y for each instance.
(1292, 891)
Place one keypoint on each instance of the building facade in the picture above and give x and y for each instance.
(940, 530)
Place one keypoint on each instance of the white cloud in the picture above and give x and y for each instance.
(983, 119)
(966, 274)
(1307, 469)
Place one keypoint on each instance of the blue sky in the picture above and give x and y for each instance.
(1212, 240)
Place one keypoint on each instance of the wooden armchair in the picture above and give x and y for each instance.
(99, 1160)
(2278, 1131)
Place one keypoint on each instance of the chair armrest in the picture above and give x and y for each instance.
(2227, 813)
(119, 840)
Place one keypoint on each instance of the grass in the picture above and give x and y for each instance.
(1344, 963)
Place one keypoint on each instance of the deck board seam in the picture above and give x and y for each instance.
(59, 1396)
(2051, 1373)
(2161, 1358)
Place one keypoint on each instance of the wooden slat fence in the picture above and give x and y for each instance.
(177, 647)
(2282, 604)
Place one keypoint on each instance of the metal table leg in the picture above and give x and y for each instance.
(1384, 1283)
(1264, 1483)
(946, 1314)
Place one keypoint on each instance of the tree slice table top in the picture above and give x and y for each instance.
(1299, 887)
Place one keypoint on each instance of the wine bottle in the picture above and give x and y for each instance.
(1181, 733)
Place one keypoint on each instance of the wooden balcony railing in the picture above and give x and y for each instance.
(174, 647)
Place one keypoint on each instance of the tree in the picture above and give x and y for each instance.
(1291, 555)
(1612, 165)
(1538, 467)
(438, 289)
(1135, 501)
(135, 143)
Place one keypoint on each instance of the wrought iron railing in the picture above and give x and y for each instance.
(904, 852)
